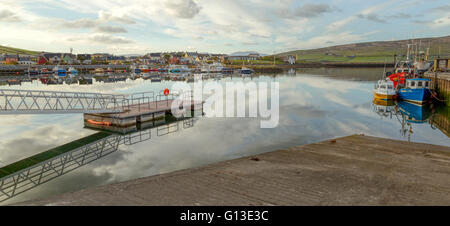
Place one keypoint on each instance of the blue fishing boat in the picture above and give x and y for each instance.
(416, 90)
(61, 72)
(414, 113)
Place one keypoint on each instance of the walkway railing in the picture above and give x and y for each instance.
(38, 102)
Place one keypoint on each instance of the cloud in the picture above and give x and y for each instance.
(401, 16)
(185, 9)
(102, 38)
(110, 29)
(8, 16)
(442, 8)
(249, 43)
(371, 17)
(108, 17)
(79, 24)
(312, 10)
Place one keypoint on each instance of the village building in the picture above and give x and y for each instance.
(174, 60)
(11, 59)
(248, 57)
(26, 60)
(83, 57)
(290, 59)
(100, 56)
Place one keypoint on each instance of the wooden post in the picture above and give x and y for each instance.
(436, 61)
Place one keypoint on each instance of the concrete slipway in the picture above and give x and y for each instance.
(354, 170)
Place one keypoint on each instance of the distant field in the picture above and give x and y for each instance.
(9, 50)
(259, 62)
(371, 52)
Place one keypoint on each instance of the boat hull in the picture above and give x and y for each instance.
(418, 96)
(383, 96)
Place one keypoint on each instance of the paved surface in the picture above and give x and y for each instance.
(355, 170)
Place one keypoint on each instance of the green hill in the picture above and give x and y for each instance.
(9, 50)
(371, 51)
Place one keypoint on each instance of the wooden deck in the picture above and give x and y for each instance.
(355, 170)
(144, 112)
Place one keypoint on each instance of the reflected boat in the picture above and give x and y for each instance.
(384, 108)
(414, 113)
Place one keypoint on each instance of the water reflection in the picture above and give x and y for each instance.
(315, 104)
(408, 114)
(34, 171)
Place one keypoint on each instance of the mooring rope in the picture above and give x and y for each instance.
(433, 95)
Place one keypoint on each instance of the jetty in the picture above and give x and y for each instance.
(354, 170)
(440, 77)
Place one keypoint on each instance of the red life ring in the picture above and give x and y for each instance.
(166, 92)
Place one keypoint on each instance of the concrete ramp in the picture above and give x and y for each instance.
(355, 170)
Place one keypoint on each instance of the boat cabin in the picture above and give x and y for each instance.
(384, 85)
(418, 83)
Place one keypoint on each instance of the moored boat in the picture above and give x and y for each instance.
(416, 91)
(384, 90)
(61, 72)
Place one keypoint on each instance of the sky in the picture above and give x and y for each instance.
(215, 26)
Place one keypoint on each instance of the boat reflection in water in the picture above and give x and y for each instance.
(406, 113)
(29, 173)
(414, 113)
(385, 108)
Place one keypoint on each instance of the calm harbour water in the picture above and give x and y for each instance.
(315, 105)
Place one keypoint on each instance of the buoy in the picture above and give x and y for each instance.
(99, 123)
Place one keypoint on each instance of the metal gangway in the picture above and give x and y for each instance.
(45, 171)
(48, 102)
(55, 102)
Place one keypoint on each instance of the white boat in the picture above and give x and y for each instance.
(212, 68)
(384, 90)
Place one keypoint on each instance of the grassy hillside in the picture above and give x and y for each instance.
(370, 51)
(9, 50)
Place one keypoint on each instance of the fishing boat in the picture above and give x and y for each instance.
(61, 72)
(384, 90)
(416, 90)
